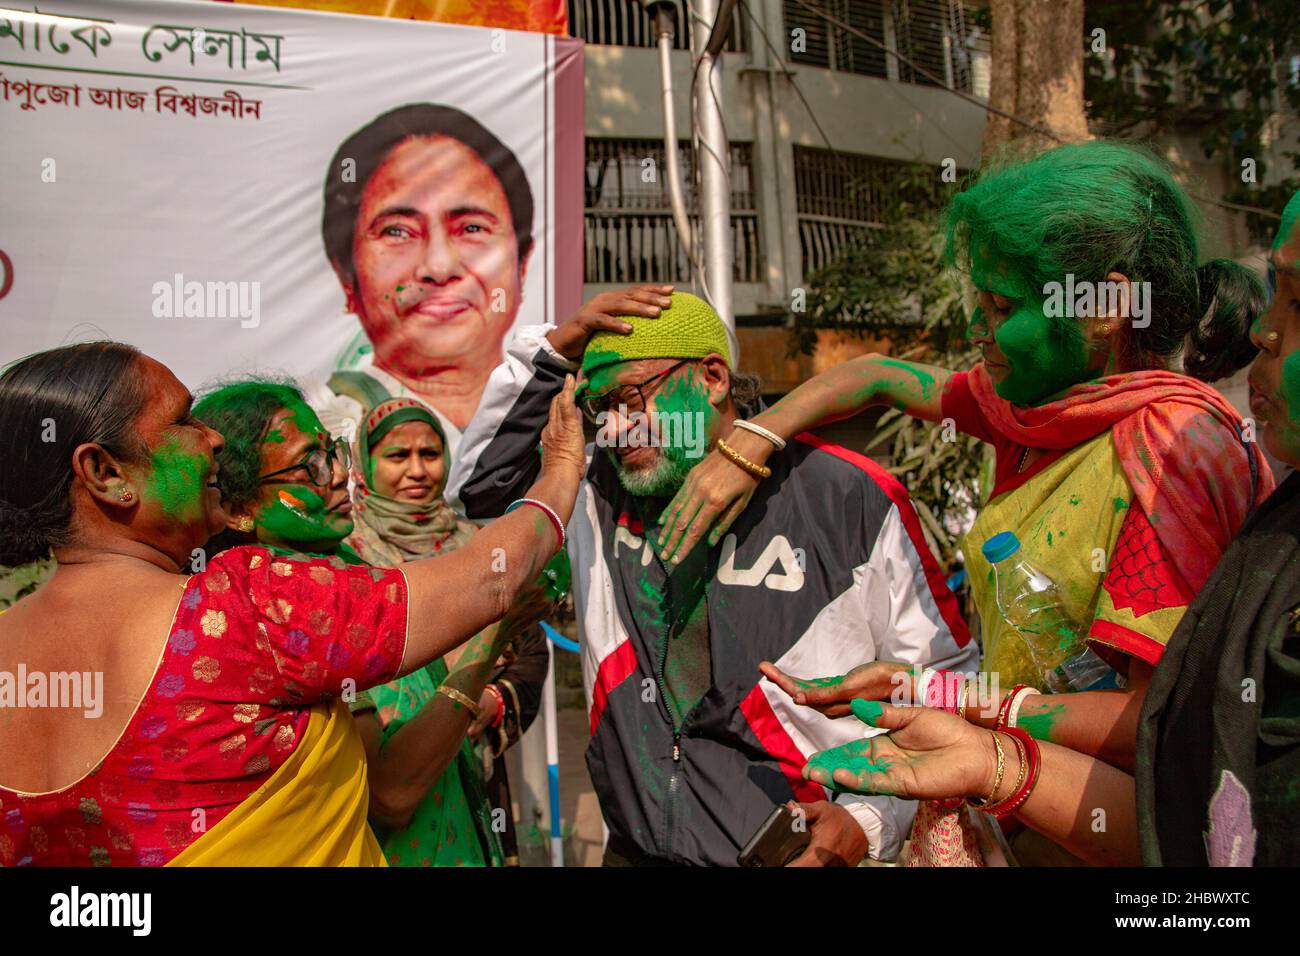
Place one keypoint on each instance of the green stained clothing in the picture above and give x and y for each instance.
(452, 825)
(684, 644)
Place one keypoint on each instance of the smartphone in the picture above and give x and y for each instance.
(781, 838)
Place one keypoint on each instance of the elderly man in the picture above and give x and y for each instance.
(826, 568)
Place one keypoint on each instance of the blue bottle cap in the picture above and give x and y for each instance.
(1000, 547)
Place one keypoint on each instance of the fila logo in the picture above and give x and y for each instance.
(778, 550)
(635, 542)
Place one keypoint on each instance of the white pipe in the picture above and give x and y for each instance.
(664, 28)
(714, 159)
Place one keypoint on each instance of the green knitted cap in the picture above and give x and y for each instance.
(687, 329)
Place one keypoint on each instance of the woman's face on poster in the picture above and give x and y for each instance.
(438, 277)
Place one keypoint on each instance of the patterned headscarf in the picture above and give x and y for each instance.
(389, 532)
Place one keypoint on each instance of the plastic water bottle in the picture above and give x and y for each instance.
(1030, 602)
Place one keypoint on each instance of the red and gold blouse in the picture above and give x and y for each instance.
(258, 638)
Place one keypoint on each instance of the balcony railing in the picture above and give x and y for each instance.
(630, 233)
(635, 245)
(823, 239)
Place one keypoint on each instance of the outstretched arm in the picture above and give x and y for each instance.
(452, 598)
(928, 754)
(716, 491)
(1101, 724)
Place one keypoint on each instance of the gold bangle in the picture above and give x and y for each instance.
(460, 698)
(997, 777)
(736, 458)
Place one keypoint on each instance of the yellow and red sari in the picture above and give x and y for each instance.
(1143, 480)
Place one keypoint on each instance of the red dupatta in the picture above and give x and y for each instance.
(1178, 441)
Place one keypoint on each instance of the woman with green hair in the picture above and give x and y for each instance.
(1218, 748)
(1121, 473)
(284, 484)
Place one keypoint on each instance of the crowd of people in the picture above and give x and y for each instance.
(309, 643)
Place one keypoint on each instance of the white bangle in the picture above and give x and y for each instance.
(923, 686)
(1014, 710)
(771, 436)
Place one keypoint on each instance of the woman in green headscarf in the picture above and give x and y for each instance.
(437, 811)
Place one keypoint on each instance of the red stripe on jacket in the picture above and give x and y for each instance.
(617, 667)
(776, 741)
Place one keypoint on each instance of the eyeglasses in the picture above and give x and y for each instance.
(319, 464)
(632, 395)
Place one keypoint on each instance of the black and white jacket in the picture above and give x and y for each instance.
(826, 569)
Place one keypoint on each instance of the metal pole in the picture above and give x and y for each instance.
(552, 763)
(713, 159)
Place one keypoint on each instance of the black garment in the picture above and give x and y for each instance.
(1218, 759)
(520, 684)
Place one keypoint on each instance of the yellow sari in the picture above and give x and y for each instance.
(310, 812)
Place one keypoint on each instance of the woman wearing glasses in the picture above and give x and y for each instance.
(284, 482)
(214, 732)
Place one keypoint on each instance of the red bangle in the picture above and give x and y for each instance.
(1004, 709)
(501, 705)
(1035, 757)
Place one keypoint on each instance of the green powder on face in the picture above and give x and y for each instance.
(298, 516)
(1039, 726)
(1289, 393)
(274, 437)
(1045, 358)
(176, 480)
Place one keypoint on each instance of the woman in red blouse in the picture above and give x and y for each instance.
(150, 718)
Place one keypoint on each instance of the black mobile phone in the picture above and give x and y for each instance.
(781, 838)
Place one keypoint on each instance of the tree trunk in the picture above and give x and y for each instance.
(1037, 73)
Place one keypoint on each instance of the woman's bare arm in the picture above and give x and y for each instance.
(403, 769)
(716, 491)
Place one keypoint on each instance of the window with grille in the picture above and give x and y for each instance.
(626, 23)
(932, 34)
(840, 196)
(630, 233)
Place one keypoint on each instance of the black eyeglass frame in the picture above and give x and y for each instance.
(597, 402)
(336, 450)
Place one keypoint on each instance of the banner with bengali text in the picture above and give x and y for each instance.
(235, 188)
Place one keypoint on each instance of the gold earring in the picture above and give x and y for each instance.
(126, 495)
(1105, 330)
(245, 524)
(1272, 338)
